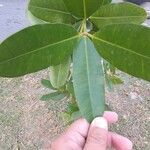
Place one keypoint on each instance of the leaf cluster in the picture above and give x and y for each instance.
(82, 41)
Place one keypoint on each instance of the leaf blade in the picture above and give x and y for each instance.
(88, 80)
(70, 88)
(72, 107)
(46, 83)
(59, 74)
(56, 96)
(33, 52)
(76, 115)
(32, 19)
(118, 13)
(132, 54)
(84, 8)
(52, 11)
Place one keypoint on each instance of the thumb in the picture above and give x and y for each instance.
(97, 136)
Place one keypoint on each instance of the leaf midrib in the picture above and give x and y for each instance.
(50, 10)
(118, 17)
(84, 7)
(33, 51)
(129, 50)
(88, 72)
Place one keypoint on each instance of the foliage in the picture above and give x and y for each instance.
(83, 42)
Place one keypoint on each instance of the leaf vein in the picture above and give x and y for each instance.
(33, 51)
(118, 17)
(52, 10)
(88, 73)
(126, 49)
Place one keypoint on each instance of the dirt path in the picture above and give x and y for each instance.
(29, 124)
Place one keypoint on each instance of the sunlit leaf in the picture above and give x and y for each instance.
(35, 48)
(52, 11)
(84, 8)
(126, 46)
(118, 13)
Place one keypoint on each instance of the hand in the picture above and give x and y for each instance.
(83, 136)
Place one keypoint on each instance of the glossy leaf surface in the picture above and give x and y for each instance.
(84, 8)
(118, 13)
(126, 46)
(52, 11)
(88, 80)
(36, 48)
(59, 74)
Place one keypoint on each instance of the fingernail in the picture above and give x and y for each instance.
(100, 122)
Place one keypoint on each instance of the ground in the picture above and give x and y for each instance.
(26, 123)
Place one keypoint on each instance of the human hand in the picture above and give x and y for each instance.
(83, 136)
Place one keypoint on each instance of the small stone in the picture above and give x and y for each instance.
(133, 95)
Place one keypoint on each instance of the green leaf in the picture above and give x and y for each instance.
(109, 83)
(32, 19)
(84, 8)
(59, 74)
(36, 48)
(70, 88)
(115, 80)
(88, 80)
(56, 96)
(126, 46)
(78, 25)
(112, 69)
(109, 68)
(76, 115)
(47, 84)
(52, 11)
(72, 107)
(118, 13)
